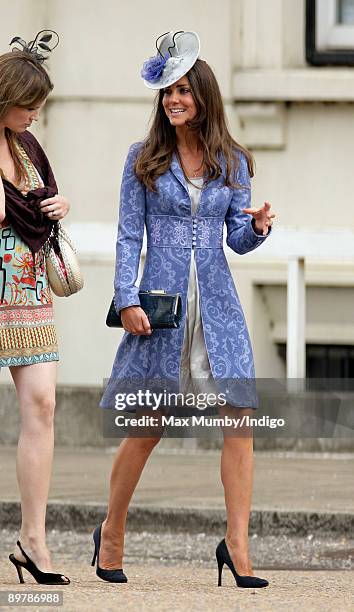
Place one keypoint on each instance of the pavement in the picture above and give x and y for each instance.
(180, 589)
(312, 482)
(177, 572)
(301, 532)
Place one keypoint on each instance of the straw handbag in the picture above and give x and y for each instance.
(63, 269)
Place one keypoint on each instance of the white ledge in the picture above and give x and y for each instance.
(335, 245)
(307, 85)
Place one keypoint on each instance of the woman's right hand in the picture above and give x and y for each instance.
(135, 321)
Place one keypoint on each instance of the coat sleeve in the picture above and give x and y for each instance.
(241, 236)
(130, 234)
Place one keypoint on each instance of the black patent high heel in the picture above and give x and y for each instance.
(39, 576)
(247, 582)
(115, 575)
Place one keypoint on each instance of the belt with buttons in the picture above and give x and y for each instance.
(185, 232)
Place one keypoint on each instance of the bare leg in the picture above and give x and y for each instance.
(237, 479)
(128, 465)
(35, 385)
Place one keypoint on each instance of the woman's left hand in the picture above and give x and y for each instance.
(262, 218)
(55, 208)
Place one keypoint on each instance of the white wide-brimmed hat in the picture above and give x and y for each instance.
(177, 52)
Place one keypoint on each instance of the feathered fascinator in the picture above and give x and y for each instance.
(39, 47)
(177, 52)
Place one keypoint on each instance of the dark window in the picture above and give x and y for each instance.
(330, 32)
(329, 361)
(345, 11)
(326, 361)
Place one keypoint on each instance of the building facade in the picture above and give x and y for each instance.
(285, 100)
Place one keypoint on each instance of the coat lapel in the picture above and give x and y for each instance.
(220, 181)
(175, 167)
(216, 183)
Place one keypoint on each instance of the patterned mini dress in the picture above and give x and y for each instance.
(27, 330)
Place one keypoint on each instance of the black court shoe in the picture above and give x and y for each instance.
(246, 582)
(39, 576)
(115, 575)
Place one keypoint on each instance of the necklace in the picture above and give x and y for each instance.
(186, 173)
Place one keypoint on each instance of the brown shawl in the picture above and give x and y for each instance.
(22, 211)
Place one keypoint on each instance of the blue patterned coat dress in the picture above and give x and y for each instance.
(171, 234)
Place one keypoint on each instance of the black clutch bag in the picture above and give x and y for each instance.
(164, 310)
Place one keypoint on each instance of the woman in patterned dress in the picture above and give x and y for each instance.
(184, 183)
(29, 205)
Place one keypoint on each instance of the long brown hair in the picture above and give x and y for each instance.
(209, 123)
(25, 83)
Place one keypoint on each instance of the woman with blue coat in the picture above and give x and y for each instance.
(184, 183)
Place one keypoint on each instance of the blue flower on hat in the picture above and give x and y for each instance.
(153, 68)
